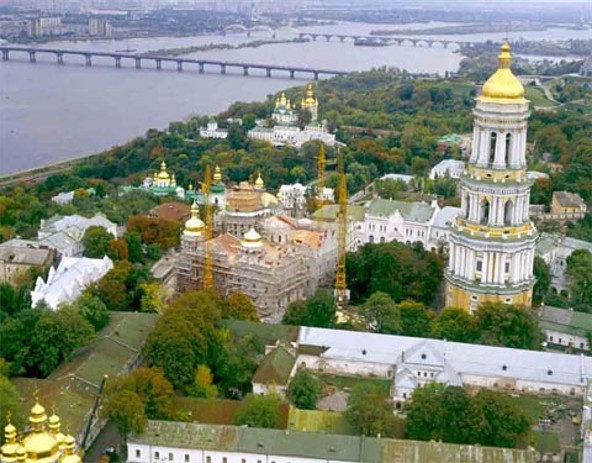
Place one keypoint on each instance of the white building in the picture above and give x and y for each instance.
(69, 280)
(292, 196)
(440, 227)
(68, 196)
(212, 130)
(566, 328)
(554, 249)
(448, 168)
(403, 177)
(411, 362)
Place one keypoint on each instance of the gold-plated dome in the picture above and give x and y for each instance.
(309, 100)
(163, 174)
(54, 427)
(40, 444)
(503, 85)
(259, 182)
(217, 174)
(38, 415)
(252, 239)
(10, 444)
(70, 455)
(194, 226)
(21, 454)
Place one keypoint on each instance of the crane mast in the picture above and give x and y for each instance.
(208, 276)
(341, 291)
(321, 163)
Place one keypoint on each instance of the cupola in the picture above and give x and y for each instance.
(503, 86)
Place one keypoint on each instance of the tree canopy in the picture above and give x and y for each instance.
(304, 390)
(260, 411)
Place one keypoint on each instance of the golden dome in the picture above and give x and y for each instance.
(54, 427)
(21, 453)
(503, 85)
(259, 182)
(194, 226)
(163, 174)
(252, 239)
(217, 174)
(38, 414)
(40, 444)
(10, 444)
(310, 99)
(70, 455)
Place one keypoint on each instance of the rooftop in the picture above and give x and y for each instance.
(445, 216)
(25, 255)
(173, 210)
(275, 368)
(411, 211)
(567, 199)
(566, 321)
(329, 212)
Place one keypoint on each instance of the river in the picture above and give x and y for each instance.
(50, 113)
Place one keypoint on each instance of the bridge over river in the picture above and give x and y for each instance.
(181, 63)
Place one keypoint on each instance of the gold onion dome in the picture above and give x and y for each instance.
(259, 181)
(54, 427)
(194, 226)
(163, 174)
(310, 99)
(40, 444)
(252, 239)
(10, 446)
(70, 455)
(217, 174)
(503, 85)
(21, 454)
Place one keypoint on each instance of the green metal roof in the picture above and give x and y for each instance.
(267, 333)
(566, 321)
(275, 368)
(412, 211)
(329, 212)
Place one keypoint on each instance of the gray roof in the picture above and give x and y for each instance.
(25, 255)
(547, 242)
(259, 441)
(445, 216)
(466, 359)
(566, 321)
(411, 211)
(575, 244)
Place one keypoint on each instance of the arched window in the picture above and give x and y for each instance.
(371, 238)
(492, 147)
(508, 212)
(508, 148)
(484, 212)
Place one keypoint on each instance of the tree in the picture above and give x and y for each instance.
(120, 289)
(93, 310)
(453, 324)
(154, 230)
(381, 313)
(542, 274)
(498, 423)
(415, 319)
(369, 410)
(202, 384)
(118, 249)
(260, 412)
(579, 273)
(318, 311)
(126, 409)
(425, 415)
(134, 246)
(238, 306)
(55, 336)
(9, 402)
(153, 298)
(500, 324)
(97, 242)
(304, 390)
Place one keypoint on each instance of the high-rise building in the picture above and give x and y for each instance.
(492, 240)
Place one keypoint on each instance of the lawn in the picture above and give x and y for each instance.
(319, 421)
(348, 382)
(549, 441)
(538, 98)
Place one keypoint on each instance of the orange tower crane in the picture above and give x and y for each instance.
(208, 275)
(341, 291)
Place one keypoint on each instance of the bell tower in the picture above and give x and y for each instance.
(492, 241)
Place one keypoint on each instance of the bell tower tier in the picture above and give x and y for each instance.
(492, 241)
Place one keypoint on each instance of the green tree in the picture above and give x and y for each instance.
(134, 246)
(304, 390)
(93, 310)
(238, 306)
(97, 242)
(381, 314)
(542, 273)
(416, 320)
(318, 311)
(500, 324)
(453, 324)
(126, 409)
(9, 402)
(202, 384)
(425, 413)
(369, 410)
(260, 412)
(153, 298)
(579, 273)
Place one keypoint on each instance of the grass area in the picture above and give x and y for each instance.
(532, 406)
(348, 382)
(538, 98)
(549, 441)
(319, 421)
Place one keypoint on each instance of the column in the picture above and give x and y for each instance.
(491, 268)
(475, 145)
(514, 155)
(457, 260)
(484, 268)
(451, 249)
(484, 147)
(516, 267)
(471, 275)
(463, 254)
(502, 268)
(500, 149)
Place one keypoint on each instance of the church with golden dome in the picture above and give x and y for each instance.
(41, 442)
(492, 240)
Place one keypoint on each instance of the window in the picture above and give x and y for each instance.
(208, 459)
(507, 270)
(171, 457)
(508, 147)
(492, 147)
(137, 453)
(186, 458)
(157, 455)
(224, 460)
(479, 265)
(243, 460)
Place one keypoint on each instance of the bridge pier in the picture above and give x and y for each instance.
(341, 39)
(5, 55)
(201, 68)
(32, 57)
(316, 76)
(179, 65)
(88, 58)
(328, 37)
(268, 72)
(138, 63)
(292, 73)
(245, 70)
(117, 61)
(60, 57)
(222, 68)
(158, 64)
